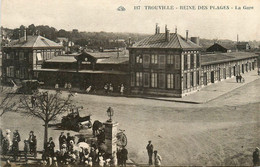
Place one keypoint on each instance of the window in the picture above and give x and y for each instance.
(154, 80)
(170, 83)
(8, 71)
(21, 56)
(191, 61)
(154, 59)
(52, 54)
(185, 85)
(132, 79)
(162, 80)
(198, 78)
(22, 71)
(191, 79)
(139, 79)
(197, 60)
(146, 79)
(17, 73)
(170, 59)
(177, 61)
(185, 62)
(7, 56)
(139, 59)
(177, 81)
(11, 68)
(39, 56)
(48, 55)
(146, 59)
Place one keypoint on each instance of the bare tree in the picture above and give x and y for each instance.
(8, 99)
(46, 107)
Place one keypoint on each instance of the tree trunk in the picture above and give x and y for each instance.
(45, 133)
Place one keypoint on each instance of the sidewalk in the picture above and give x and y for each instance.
(212, 91)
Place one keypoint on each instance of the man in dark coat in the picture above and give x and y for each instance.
(31, 136)
(15, 146)
(149, 149)
(50, 147)
(256, 156)
(62, 140)
(124, 155)
(34, 146)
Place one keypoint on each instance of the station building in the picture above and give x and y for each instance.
(220, 66)
(165, 64)
(86, 69)
(21, 57)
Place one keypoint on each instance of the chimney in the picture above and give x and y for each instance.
(176, 30)
(195, 40)
(157, 29)
(187, 35)
(237, 38)
(25, 35)
(129, 41)
(167, 34)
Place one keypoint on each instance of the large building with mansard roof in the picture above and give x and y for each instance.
(165, 64)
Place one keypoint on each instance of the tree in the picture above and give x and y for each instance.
(7, 99)
(46, 107)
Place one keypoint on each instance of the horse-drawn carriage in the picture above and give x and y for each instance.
(74, 121)
(29, 86)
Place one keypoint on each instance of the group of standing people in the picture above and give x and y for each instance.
(151, 152)
(240, 78)
(108, 88)
(12, 145)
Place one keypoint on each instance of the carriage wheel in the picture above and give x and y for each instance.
(121, 139)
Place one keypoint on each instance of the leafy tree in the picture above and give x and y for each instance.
(47, 107)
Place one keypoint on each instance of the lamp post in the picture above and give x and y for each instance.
(110, 113)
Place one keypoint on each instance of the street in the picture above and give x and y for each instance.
(224, 131)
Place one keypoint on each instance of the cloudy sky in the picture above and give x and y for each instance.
(102, 15)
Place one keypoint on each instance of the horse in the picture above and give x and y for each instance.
(96, 126)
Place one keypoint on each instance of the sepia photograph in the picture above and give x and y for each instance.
(138, 83)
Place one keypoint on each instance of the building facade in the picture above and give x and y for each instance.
(164, 64)
(21, 57)
(221, 66)
(86, 69)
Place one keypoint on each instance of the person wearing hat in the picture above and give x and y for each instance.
(26, 149)
(62, 139)
(149, 149)
(256, 156)
(157, 159)
(50, 147)
(124, 155)
(31, 144)
(15, 146)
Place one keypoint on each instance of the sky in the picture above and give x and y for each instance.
(102, 15)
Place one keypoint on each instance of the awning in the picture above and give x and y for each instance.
(82, 71)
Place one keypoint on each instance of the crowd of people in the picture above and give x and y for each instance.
(71, 150)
